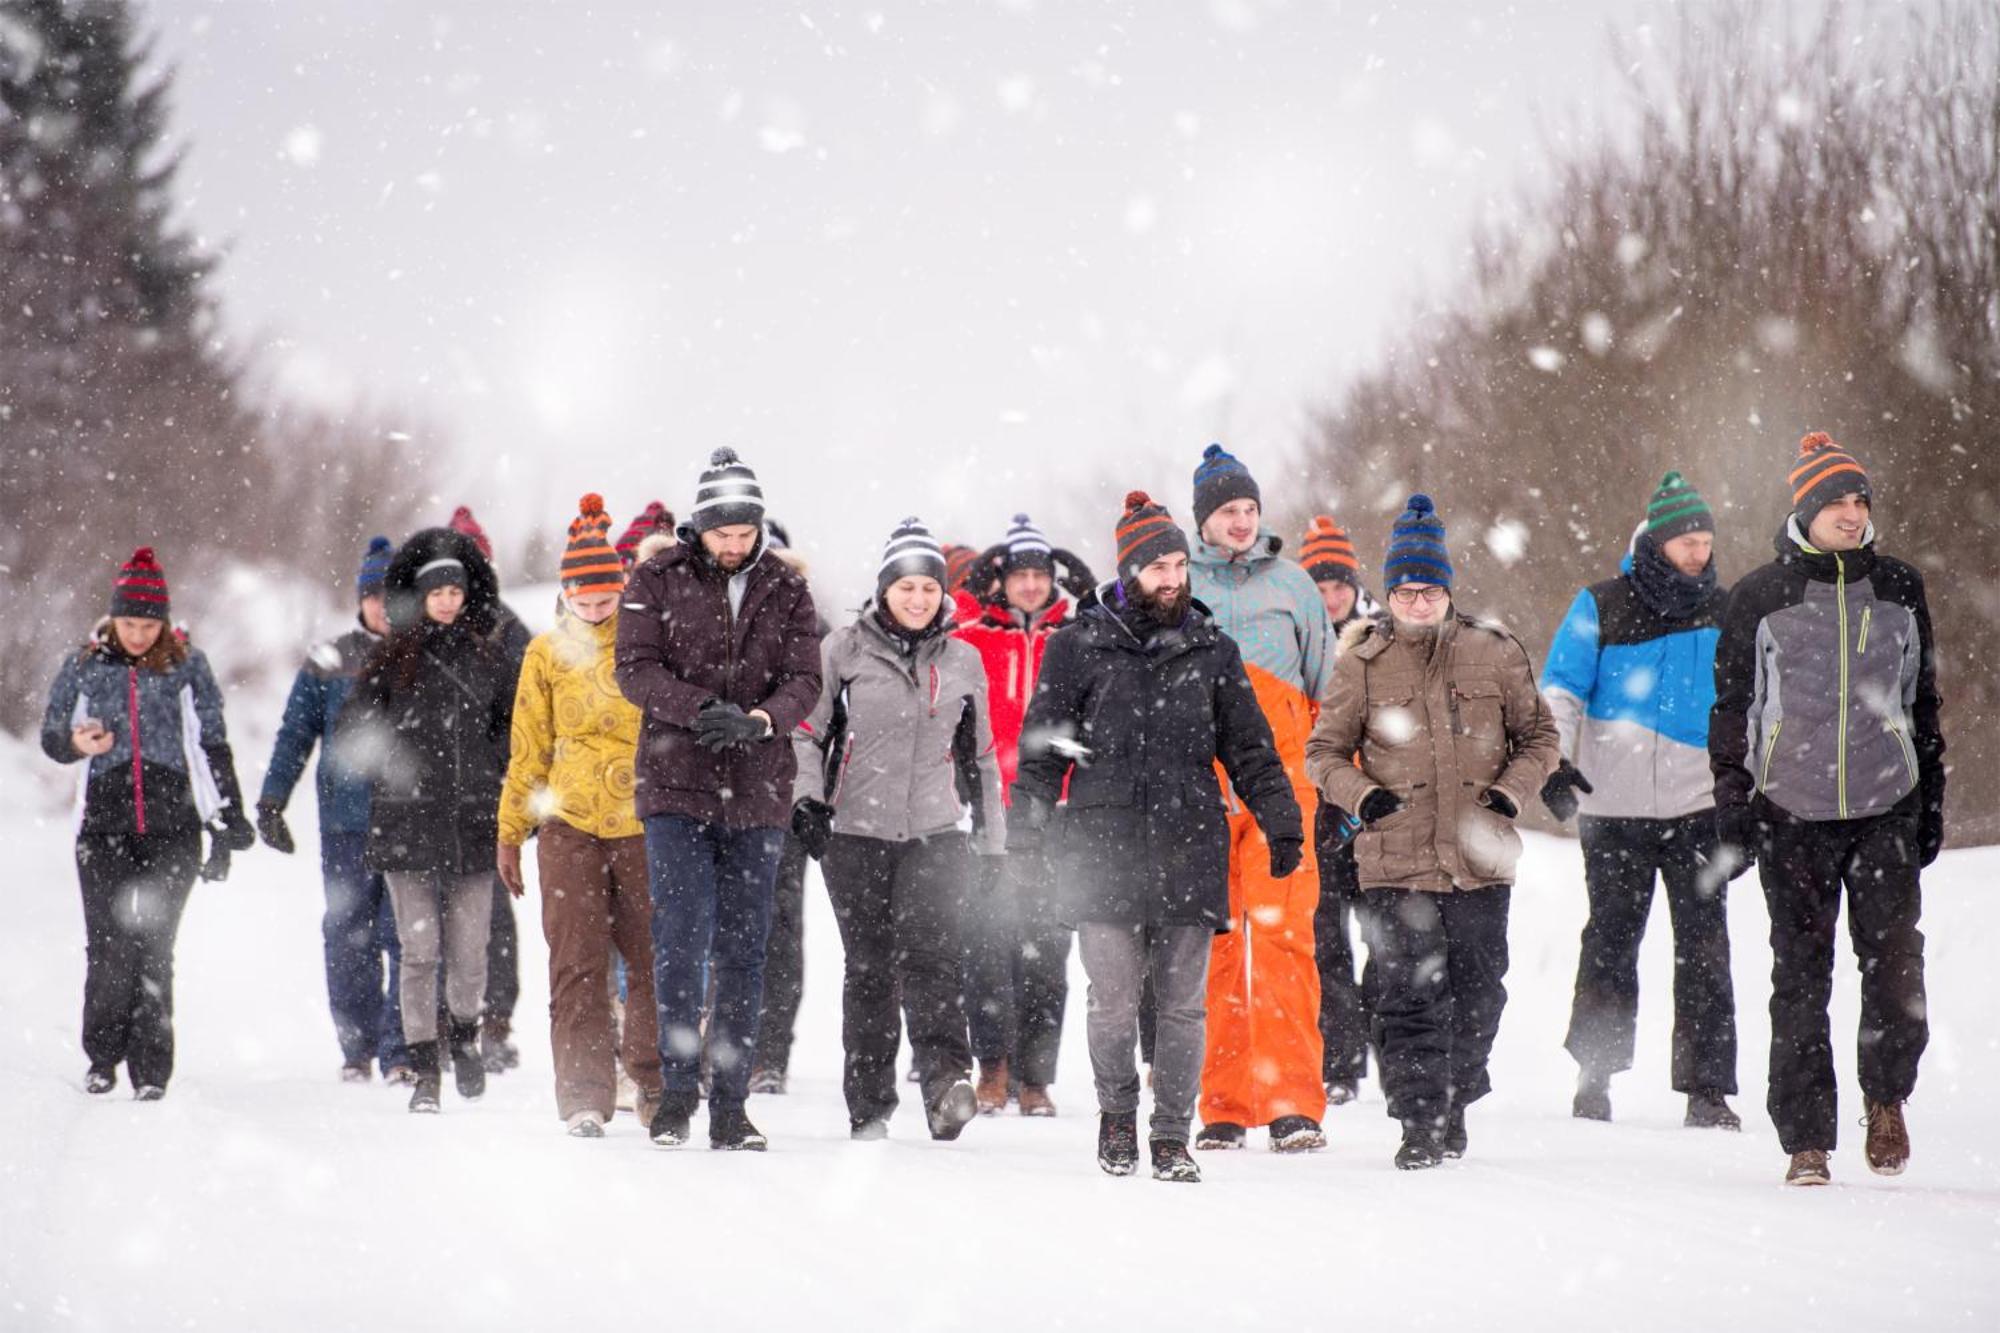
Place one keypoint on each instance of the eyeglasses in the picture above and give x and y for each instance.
(1436, 592)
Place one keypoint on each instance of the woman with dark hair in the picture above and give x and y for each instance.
(428, 723)
(142, 709)
(892, 760)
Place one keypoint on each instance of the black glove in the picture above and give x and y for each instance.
(983, 581)
(1559, 792)
(1378, 805)
(1072, 575)
(720, 726)
(1737, 837)
(1500, 803)
(1286, 853)
(216, 868)
(812, 825)
(271, 828)
(235, 834)
(1930, 836)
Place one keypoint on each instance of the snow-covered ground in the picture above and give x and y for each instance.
(264, 1194)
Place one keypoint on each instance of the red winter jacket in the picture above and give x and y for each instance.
(1010, 645)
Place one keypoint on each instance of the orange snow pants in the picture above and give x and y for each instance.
(1264, 1047)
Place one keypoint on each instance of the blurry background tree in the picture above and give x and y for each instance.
(124, 418)
(1792, 236)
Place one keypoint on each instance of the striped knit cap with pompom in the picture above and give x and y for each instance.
(589, 562)
(1146, 532)
(958, 562)
(1822, 473)
(910, 552)
(1417, 553)
(655, 517)
(1027, 548)
(141, 588)
(1218, 479)
(1676, 510)
(374, 571)
(728, 495)
(1328, 553)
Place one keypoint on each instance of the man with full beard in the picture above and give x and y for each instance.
(1138, 699)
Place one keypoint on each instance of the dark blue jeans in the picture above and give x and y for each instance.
(359, 930)
(711, 889)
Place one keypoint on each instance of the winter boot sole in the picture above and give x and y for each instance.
(953, 1112)
(748, 1143)
(1221, 1137)
(869, 1131)
(1299, 1141)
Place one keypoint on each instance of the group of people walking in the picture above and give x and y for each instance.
(1210, 769)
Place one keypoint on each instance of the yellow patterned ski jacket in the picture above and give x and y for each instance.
(573, 738)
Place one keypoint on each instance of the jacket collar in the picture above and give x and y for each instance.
(1262, 551)
(1003, 616)
(1795, 552)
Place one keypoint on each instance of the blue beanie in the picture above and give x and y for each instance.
(1220, 479)
(1417, 551)
(374, 571)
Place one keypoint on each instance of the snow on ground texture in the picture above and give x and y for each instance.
(263, 1193)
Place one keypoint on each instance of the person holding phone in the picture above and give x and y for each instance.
(142, 710)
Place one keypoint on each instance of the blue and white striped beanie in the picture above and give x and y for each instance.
(1027, 548)
(1417, 551)
(911, 552)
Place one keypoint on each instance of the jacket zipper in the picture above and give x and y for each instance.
(1904, 748)
(1861, 648)
(1840, 757)
(1770, 748)
(132, 721)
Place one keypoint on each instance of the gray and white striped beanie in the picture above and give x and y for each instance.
(910, 552)
(1027, 548)
(728, 494)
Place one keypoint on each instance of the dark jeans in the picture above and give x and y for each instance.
(1804, 866)
(503, 957)
(784, 962)
(898, 905)
(1344, 1003)
(1441, 960)
(1017, 966)
(135, 887)
(359, 933)
(1621, 858)
(711, 889)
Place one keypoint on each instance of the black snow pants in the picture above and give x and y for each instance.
(784, 962)
(135, 887)
(1441, 959)
(1344, 1003)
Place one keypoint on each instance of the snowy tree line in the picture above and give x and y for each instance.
(125, 415)
(1793, 235)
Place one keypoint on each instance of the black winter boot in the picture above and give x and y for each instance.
(1172, 1162)
(1118, 1142)
(730, 1130)
(467, 1069)
(1453, 1141)
(1223, 1135)
(670, 1119)
(952, 1110)
(424, 1095)
(1593, 1097)
(1422, 1147)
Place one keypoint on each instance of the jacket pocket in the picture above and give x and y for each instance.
(1479, 728)
(1090, 790)
(1907, 750)
(1490, 844)
(1770, 748)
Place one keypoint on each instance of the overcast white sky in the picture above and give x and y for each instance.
(946, 259)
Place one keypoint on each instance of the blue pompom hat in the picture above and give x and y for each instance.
(1417, 552)
(1219, 479)
(374, 571)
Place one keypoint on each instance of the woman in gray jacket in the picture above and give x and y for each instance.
(894, 763)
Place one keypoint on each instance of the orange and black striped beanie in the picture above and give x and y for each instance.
(141, 588)
(1823, 473)
(1146, 532)
(1328, 554)
(957, 564)
(589, 563)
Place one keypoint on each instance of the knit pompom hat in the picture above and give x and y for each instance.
(1145, 533)
(1328, 553)
(590, 563)
(1676, 510)
(141, 587)
(1027, 548)
(910, 552)
(1822, 473)
(727, 495)
(374, 569)
(655, 517)
(1417, 553)
(463, 521)
(1219, 479)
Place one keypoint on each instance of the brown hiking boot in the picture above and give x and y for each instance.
(1888, 1138)
(1035, 1100)
(1808, 1168)
(991, 1094)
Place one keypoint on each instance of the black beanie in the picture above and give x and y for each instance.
(1220, 479)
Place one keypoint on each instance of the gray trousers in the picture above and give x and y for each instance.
(1118, 959)
(448, 916)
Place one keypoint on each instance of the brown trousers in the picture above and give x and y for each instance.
(595, 898)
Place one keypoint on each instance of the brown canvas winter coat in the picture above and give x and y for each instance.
(680, 645)
(1438, 731)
